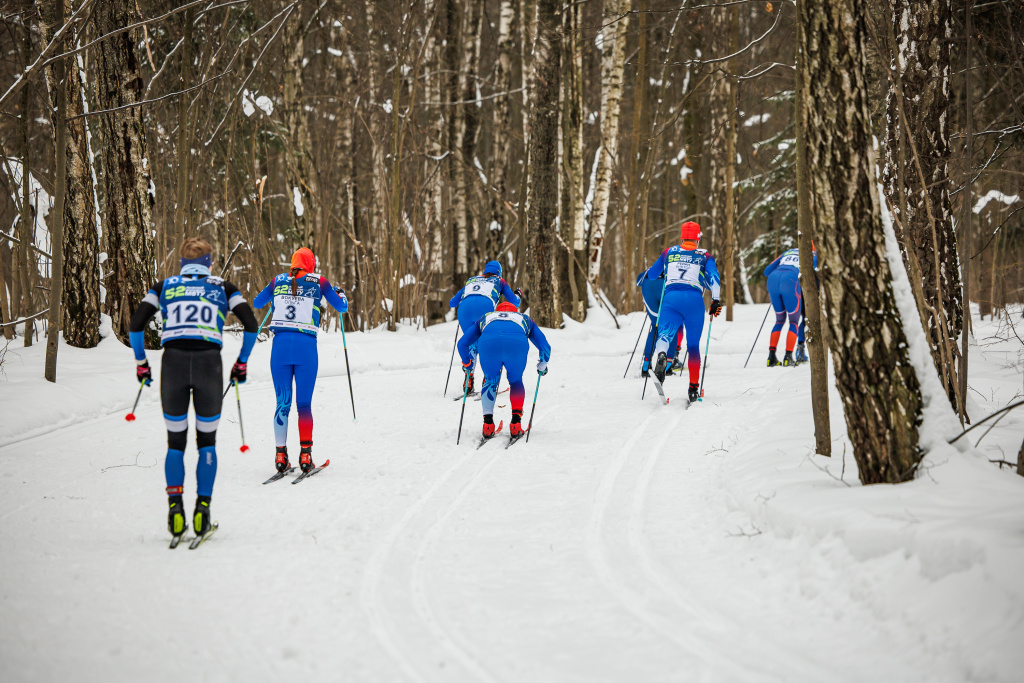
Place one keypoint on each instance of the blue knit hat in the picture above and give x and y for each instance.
(493, 267)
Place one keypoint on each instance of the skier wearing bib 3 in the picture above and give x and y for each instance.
(787, 299)
(688, 272)
(480, 296)
(296, 298)
(193, 306)
(501, 338)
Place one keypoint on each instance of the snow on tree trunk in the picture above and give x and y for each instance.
(128, 190)
(81, 297)
(542, 183)
(921, 65)
(880, 390)
(614, 21)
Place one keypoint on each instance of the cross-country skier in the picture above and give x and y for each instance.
(688, 272)
(296, 298)
(479, 296)
(652, 290)
(501, 336)
(193, 306)
(787, 299)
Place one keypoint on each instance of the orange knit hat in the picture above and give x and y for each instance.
(303, 260)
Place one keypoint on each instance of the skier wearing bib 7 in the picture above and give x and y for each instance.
(688, 272)
(788, 301)
(193, 306)
(501, 337)
(479, 296)
(296, 298)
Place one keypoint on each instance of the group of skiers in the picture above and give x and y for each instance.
(193, 306)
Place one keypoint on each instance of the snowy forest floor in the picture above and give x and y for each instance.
(627, 541)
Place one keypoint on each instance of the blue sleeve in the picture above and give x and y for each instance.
(339, 302)
(540, 341)
(509, 295)
(468, 339)
(655, 271)
(248, 341)
(771, 267)
(264, 297)
(456, 299)
(712, 280)
(814, 256)
(138, 342)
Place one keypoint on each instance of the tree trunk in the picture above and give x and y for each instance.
(542, 183)
(613, 45)
(921, 89)
(880, 389)
(641, 121)
(433, 171)
(965, 225)
(58, 116)
(128, 193)
(467, 127)
(572, 224)
(500, 138)
(81, 296)
(301, 173)
(181, 204)
(723, 157)
(817, 349)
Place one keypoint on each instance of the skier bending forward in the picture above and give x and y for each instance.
(296, 297)
(193, 305)
(788, 301)
(480, 296)
(500, 337)
(688, 272)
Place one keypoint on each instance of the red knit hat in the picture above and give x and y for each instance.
(507, 306)
(690, 231)
(303, 260)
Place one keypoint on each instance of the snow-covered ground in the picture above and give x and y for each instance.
(627, 541)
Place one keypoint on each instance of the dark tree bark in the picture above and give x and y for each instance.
(57, 115)
(879, 387)
(127, 200)
(542, 184)
(301, 172)
(921, 87)
(722, 167)
(81, 296)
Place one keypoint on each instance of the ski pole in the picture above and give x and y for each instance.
(642, 326)
(465, 392)
(348, 372)
(705, 370)
(758, 334)
(654, 341)
(529, 425)
(260, 328)
(451, 363)
(130, 417)
(238, 399)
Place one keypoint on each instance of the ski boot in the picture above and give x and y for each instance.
(693, 393)
(488, 426)
(675, 368)
(281, 459)
(467, 384)
(306, 458)
(645, 368)
(773, 360)
(515, 428)
(801, 354)
(787, 360)
(659, 369)
(201, 518)
(176, 523)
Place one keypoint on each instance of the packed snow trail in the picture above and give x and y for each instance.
(627, 541)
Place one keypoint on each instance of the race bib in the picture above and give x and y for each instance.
(683, 272)
(790, 260)
(191, 318)
(482, 288)
(294, 312)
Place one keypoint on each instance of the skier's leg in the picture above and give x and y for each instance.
(306, 366)
(282, 371)
(775, 294)
(649, 342)
(791, 298)
(516, 351)
(207, 375)
(174, 398)
(693, 318)
(470, 312)
(491, 352)
(671, 319)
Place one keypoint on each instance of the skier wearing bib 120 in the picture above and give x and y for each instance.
(193, 305)
(296, 297)
(688, 272)
(501, 337)
(480, 296)
(787, 299)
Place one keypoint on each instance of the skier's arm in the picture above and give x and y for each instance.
(338, 301)
(454, 302)
(771, 267)
(655, 271)
(509, 295)
(467, 340)
(240, 307)
(540, 341)
(266, 296)
(140, 318)
(712, 279)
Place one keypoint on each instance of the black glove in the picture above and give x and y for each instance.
(519, 293)
(340, 290)
(143, 373)
(238, 372)
(715, 309)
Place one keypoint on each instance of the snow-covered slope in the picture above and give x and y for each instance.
(627, 541)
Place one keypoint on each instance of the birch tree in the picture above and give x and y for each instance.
(501, 121)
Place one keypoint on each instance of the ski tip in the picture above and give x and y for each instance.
(326, 463)
(667, 399)
(130, 417)
(244, 448)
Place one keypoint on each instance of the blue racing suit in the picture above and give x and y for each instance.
(479, 296)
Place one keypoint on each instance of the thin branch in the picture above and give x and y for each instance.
(157, 99)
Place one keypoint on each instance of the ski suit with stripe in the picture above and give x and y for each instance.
(652, 291)
(479, 296)
(787, 297)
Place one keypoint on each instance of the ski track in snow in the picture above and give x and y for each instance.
(624, 542)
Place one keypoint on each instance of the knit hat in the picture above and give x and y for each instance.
(690, 231)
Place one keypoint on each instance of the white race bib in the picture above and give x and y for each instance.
(790, 260)
(683, 272)
(295, 312)
(482, 288)
(191, 318)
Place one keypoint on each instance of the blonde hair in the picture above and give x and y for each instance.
(195, 247)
